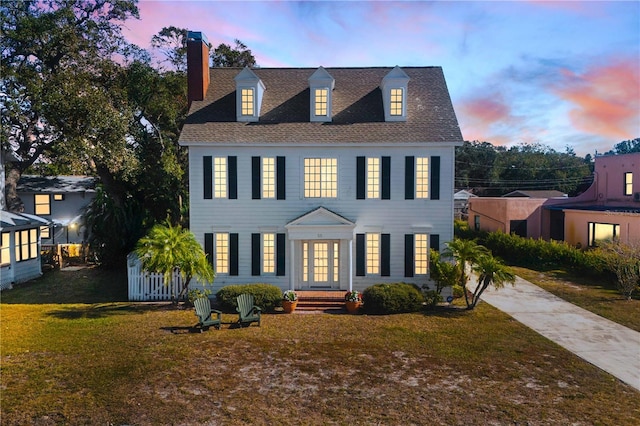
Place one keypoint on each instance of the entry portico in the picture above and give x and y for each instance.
(321, 251)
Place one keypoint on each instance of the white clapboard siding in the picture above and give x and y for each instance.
(395, 217)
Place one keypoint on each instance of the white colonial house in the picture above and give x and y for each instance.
(319, 178)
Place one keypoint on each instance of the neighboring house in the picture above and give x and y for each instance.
(461, 203)
(61, 200)
(608, 209)
(327, 178)
(20, 251)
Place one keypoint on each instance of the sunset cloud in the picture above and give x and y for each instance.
(605, 99)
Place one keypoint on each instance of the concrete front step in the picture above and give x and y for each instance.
(320, 300)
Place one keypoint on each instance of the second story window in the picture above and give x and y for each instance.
(220, 177)
(373, 177)
(268, 177)
(320, 177)
(247, 102)
(321, 102)
(628, 183)
(396, 102)
(422, 177)
(42, 204)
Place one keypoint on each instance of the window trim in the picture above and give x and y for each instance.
(220, 178)
(421, 257)
(245, 102)
(396, 102)
(373, 176)
(268, 172)
(321, 100)
(221, 253)
(5, 249)
(591, 232)
(322, 183)
(268, 260)
(628, 184)
(373, 253)
(28, 250)
(422, 178)
(40, 204)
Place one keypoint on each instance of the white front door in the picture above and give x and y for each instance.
(320, 264)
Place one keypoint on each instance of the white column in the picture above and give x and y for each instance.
(292, 265)
(351, 265)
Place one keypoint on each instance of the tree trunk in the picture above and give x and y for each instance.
(13, 201)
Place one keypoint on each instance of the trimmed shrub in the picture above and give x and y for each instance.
(267, 296)
(392, 298)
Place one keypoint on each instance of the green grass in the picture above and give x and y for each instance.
(593, 294)
(99, 362)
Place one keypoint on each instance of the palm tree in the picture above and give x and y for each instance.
(464, 252)
(490, 270)
(167, 248)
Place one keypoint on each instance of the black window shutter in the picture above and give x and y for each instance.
(360, 255)
(360, 178)
(281, 181)
(386, 178)
(255, 178)
(233, 254)
(409, 172)
(435, 178)
(280, 254)
(255, 254)
(233, 177)
(434, 242)
(408, 255)
(208, 246)
(385, 248)
(207, 171)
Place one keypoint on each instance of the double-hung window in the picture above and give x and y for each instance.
(220, 177)
(26, 244)
(373, 253)
(42, 204)
(268, 177)
(268, 253)
(395, 99)
(5, 251)
(221, 253)
(373, 177)
(421, 254)
(422, 177)
(247, 99)
(321, 96)
(320, 177)
(628, 183)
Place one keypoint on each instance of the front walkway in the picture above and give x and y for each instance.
(604, 343)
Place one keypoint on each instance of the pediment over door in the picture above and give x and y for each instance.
(320, 223)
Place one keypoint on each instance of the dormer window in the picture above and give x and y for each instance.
(321, 102)
(247, 102)
(394, 89)
(321, 85)
(249, 91)
(395, 106)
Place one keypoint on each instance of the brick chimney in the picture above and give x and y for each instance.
(197, 66)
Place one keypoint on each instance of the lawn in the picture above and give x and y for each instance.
(73, 358)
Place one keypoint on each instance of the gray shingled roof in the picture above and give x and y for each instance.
(31, 183)
(357, 109)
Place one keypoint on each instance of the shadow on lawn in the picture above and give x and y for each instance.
(106, 310)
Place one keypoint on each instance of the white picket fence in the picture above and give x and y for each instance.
(146, 286)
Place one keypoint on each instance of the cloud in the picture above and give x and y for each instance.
(482, 116)
(605, 99)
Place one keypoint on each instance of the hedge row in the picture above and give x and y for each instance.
(267, 296)
(529, 252)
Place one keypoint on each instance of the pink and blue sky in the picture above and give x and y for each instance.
(559, 73)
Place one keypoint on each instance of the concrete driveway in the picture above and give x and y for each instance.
(604, 343)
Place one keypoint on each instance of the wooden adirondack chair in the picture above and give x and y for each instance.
(205, 314)
(247, 312)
